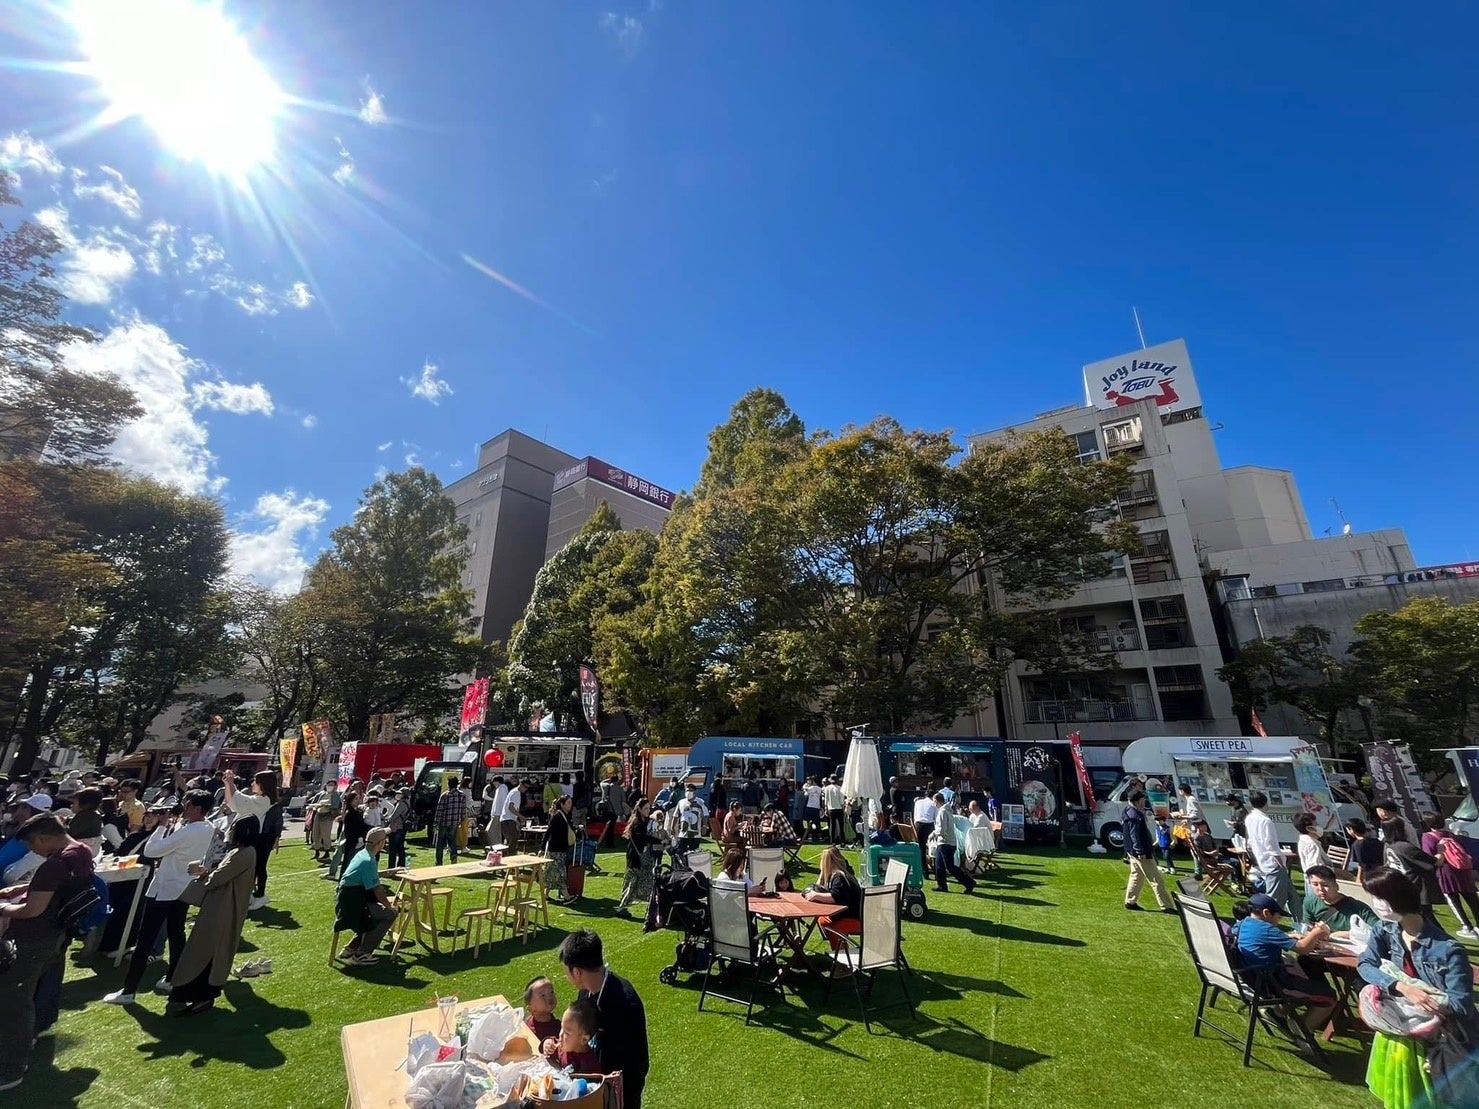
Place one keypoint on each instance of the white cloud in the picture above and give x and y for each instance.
(300, 296)
(226, 396)
(205, 254)
(625, 30)
(428, 386)
(159, 249)
(113, 190)
(92, 269)
(372, 108)
(267, 543)
(310, 421)
(166, 442)
(385, 446)
(18, 150)
(345, 173)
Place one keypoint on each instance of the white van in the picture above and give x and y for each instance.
(1216, 767)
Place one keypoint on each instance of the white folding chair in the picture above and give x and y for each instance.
(766, 864)
(701, 862)
(876, 947)
(732, 939)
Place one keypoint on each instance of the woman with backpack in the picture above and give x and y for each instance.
(1455, 873)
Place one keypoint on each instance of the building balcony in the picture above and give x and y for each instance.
(1104, 639)
(1080, 711)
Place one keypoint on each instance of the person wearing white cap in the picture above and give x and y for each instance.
(17, 861)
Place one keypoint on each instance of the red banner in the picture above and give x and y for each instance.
(1083, 771)
(1258, 728)
(474, 705)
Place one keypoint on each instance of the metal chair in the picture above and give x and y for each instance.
(765, 865)
(874, 948)
(700, 862)
(1221, 972)
(733, 939)
(896, 873)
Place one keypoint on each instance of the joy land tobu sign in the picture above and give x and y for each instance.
(1160, 373)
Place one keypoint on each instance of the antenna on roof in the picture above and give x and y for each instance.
(1138, 329)
(1345, 524)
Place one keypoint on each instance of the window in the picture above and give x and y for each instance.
(477, 521)
(1162, 608)
(1165, 637)
(1181, 692)
(1123, 435)
(1327, 585)
(1088, 446)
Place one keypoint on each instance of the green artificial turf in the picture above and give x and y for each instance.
(1038, 990)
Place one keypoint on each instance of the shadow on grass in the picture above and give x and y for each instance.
(790, 1013)
(932, 985)
(1002, 931)
(956, 1038)
(274, 918)
(1009, 899)
(63, 1087)
(238, 1036)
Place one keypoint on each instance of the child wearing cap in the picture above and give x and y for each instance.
(1263, 945)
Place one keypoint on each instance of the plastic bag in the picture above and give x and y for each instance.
(491, 1032)
(1396, 1016)
(1360, 933)
(437, 1086)
(507, 1078)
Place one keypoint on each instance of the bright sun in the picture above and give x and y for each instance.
(182, 67)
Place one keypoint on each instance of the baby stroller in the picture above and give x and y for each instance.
(680, 901)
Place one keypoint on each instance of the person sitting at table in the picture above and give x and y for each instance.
(1325, 903)
(882, 834)
(775, 829)
(734, 870)
(539, 1007)
(363, 906)
(574, 1047)
(978, 816)
(1263, 944)
(733, 820)
(837, 885)
(559, 840)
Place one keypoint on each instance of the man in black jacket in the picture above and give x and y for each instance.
(1140, 849)
(621, 1038)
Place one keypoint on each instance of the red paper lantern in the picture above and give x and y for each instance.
(493, 759)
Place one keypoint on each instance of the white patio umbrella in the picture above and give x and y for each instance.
(862, 777)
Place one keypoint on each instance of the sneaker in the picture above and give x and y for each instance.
(118, 997)
(256, 903)
(349, 954)
(1134, 908)
(367, 959)
(163, 986)
(246, 970)
(264, 966)
(12, 1083)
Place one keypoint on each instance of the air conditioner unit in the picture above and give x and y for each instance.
(1121, 642)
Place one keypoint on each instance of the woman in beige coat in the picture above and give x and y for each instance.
(205, 964)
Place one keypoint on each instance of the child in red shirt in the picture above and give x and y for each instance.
(539, 1004)
(576, 1046)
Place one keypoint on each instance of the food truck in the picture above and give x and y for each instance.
(533, 757)
(733, 759)
(1286, 768)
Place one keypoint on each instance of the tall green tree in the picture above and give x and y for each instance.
(277, 645)
(1423, 672)
(1298, 670)
(599, 575)
(53, 422)
(837, 581)
(395, 625)
(158, 622)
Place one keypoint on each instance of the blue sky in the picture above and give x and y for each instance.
(938, 212)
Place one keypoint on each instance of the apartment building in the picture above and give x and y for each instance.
(1197, 520)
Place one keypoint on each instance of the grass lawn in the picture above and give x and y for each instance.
(1038, 990)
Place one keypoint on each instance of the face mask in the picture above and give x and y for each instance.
(1384, 911)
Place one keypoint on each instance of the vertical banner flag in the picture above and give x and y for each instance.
(1258, 728)
(311, 745)
(590, 698)
(626, 767)
(1314, 790)
(1389, 779)
(288, 759)
(474, 706)
(1076, 747)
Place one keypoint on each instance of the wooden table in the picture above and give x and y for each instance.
(115, 875)
(795, 919)
(418, 913)
(374, 1050)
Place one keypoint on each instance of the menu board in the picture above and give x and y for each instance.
(1014, 822)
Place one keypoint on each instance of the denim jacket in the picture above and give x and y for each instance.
(1440, 961)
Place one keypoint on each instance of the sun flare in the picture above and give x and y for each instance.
(181, 67)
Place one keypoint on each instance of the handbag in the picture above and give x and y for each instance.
(194, 893)
(1453, 1065)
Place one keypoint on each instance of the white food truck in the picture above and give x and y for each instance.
(1216, 767)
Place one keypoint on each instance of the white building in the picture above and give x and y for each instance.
(1195, 518)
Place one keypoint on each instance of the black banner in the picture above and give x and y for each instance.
(1389, 780)
(1034, 779)
(590, 698)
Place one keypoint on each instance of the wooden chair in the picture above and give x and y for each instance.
(734, 940)
(1216, 874)
(473, 922)
(874, 948)
(1221, 972)
(1340, 859)
(444, 895)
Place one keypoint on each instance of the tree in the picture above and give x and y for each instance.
(836, 581)
(395, 625)
(159, 621)
(1423, 673)
(277, 642)
(1300, 671)
(53, 421)
(598, 576)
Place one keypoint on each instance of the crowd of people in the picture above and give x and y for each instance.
(202, 843)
